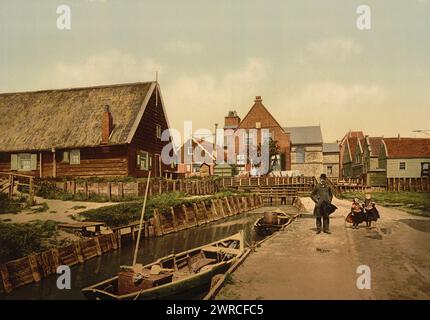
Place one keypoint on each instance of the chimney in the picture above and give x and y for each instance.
(232, 120)
(258, 99)
(398, 136)
(107, 125)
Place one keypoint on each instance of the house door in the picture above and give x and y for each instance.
(157, 165)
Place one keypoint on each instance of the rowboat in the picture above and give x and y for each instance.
(173, 276)
(271, 222)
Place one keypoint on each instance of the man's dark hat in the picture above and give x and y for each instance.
(323, 176)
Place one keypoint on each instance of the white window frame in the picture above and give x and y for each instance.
(402, 165)
(143, 160)
(24, 162)
(158, 131)
(75, 157)
(266, 137)
(249, 136)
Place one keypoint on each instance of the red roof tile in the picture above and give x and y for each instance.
(375, 146)
(407, 147)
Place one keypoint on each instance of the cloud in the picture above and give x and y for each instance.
(103, 68)
(335, 105)
(332, 49)
(183, 47)
(206, 98)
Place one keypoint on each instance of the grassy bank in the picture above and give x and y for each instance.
(125, 213)
(412, 202)
(20, 239)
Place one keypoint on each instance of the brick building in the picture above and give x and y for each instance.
(257, 119)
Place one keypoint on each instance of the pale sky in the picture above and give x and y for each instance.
(306, 58)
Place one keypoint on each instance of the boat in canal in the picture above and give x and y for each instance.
(271, 222)
(174, 276)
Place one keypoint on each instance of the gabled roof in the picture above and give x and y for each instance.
(266, 118)
(407, 147)
(352, 134)
(68, 118)
(195, 143)
(305, 135)
(374, 145)
(330, 147)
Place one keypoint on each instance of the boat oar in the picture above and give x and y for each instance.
(141, 220)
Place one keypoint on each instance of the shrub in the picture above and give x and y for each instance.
(21, 239)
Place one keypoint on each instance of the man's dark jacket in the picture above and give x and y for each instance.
(322, 196)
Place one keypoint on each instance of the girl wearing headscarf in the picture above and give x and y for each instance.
(357, 213)
(370, 211)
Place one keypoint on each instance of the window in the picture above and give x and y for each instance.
(425, 169)
(402, 166)
(143, 160)
(75, 156)
(258, 125)
(300, 154)
(66, 157)
(266, 137)
(190, 151)
(248, 139)
(241, 159)
(23, 162)
(329, 170)
(158, 131)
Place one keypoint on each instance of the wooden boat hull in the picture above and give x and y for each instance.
(264, 229)
(181, 288)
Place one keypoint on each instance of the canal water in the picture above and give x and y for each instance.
(108, 265)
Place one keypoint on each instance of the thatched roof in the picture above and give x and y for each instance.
(69, 118)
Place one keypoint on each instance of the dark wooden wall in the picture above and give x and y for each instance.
(145, 137)
(97, 161)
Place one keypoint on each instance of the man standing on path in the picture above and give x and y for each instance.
(322, 195)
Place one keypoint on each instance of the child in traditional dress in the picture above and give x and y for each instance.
(370, 211)
(357, 213)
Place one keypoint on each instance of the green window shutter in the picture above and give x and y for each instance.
(13, 162)
(66, 157)
(33, 163)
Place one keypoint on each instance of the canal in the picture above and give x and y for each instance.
(107, 265)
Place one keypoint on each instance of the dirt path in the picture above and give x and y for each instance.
(58, 211)
(298, 264)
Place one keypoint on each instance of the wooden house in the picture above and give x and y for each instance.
(192, 155)
(405, 157)
(373, 175)
(112, 130)
(347, 147)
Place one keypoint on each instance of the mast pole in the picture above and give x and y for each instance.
(141, 220)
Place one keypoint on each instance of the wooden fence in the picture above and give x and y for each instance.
(33, 268)
(409, 184)
(303, 182)
(191, 215)
(131, 189)
(10, 181)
